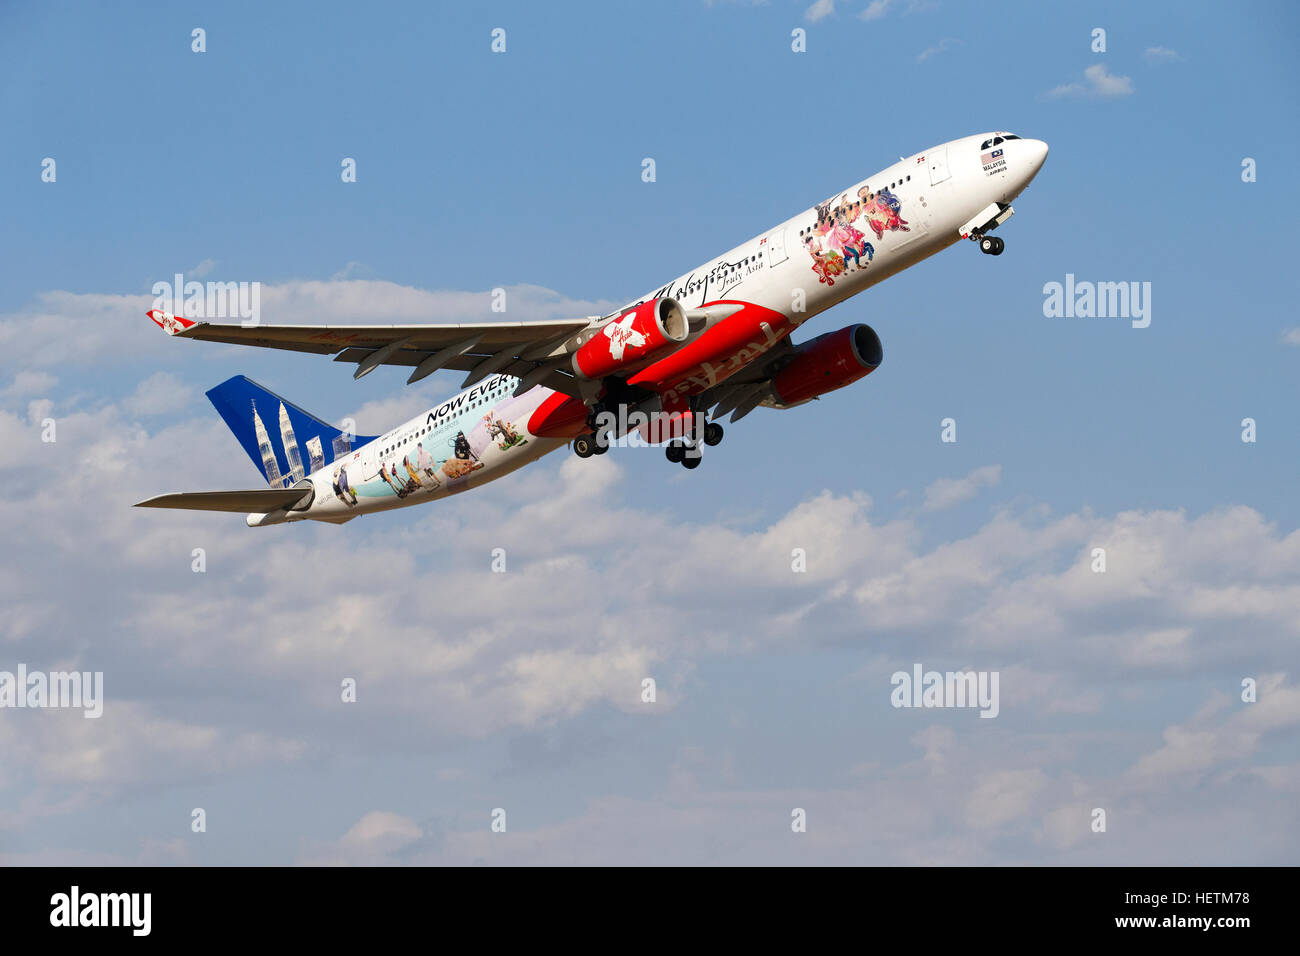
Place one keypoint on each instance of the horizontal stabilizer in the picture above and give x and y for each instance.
(261, 500)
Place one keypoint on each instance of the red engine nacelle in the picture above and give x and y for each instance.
(826, 363)
(636, 335)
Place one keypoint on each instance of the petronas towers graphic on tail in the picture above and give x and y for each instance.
(290, 445)
(270, 467)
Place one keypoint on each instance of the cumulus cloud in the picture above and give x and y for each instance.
(1097, 82)
(158, 394)
(26, 382)
(947, 492)
(228, 674)
(1019, 585)
(820, 10)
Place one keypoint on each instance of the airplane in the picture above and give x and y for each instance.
(666, 367)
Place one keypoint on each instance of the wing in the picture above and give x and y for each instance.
(750, 387)
(261, 500)
(535, 352)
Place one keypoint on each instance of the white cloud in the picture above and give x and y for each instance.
(1291, 337)
(943, 45)
(947, 492)
(1003, 795)
(878, 8)
(28, 382)
(447, 654)
(1160, 54)
(819, 10)
(161, 393)
(1226, 732)
(1098, 81)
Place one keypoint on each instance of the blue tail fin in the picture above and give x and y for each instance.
(283, 441)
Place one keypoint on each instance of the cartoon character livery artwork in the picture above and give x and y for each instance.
(835, 243)
(666, 367)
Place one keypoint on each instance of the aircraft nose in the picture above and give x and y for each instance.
(1035, 153)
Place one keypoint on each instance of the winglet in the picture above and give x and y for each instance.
(171, 324)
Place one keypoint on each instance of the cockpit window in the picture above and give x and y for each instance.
(996, 139)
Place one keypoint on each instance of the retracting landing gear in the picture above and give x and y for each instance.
(986, 220)
(593, 443)
(686, 451)
(683, 452)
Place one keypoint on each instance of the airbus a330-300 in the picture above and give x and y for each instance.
(668, 366)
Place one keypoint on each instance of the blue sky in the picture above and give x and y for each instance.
(522, 170)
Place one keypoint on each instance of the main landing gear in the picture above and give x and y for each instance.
(592, 443)
(686, 451)
(683, 451)
(992, 245)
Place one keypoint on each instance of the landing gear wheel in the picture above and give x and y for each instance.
(692, 461)
(675, 451)
(998, 246)
(712, 434)
(988, 244)
(601, 443)
(584, 446)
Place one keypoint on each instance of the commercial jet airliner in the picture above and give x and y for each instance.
(667, 366)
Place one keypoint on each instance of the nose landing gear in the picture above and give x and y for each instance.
(992, 245)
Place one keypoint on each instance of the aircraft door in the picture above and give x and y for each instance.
(938, 162)
(775, 245)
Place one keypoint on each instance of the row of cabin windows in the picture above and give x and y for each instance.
(699, 283)
(744, 262)
(905, 179)
(428, 428)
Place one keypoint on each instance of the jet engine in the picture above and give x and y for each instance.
(624, 343)
(826, 363)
